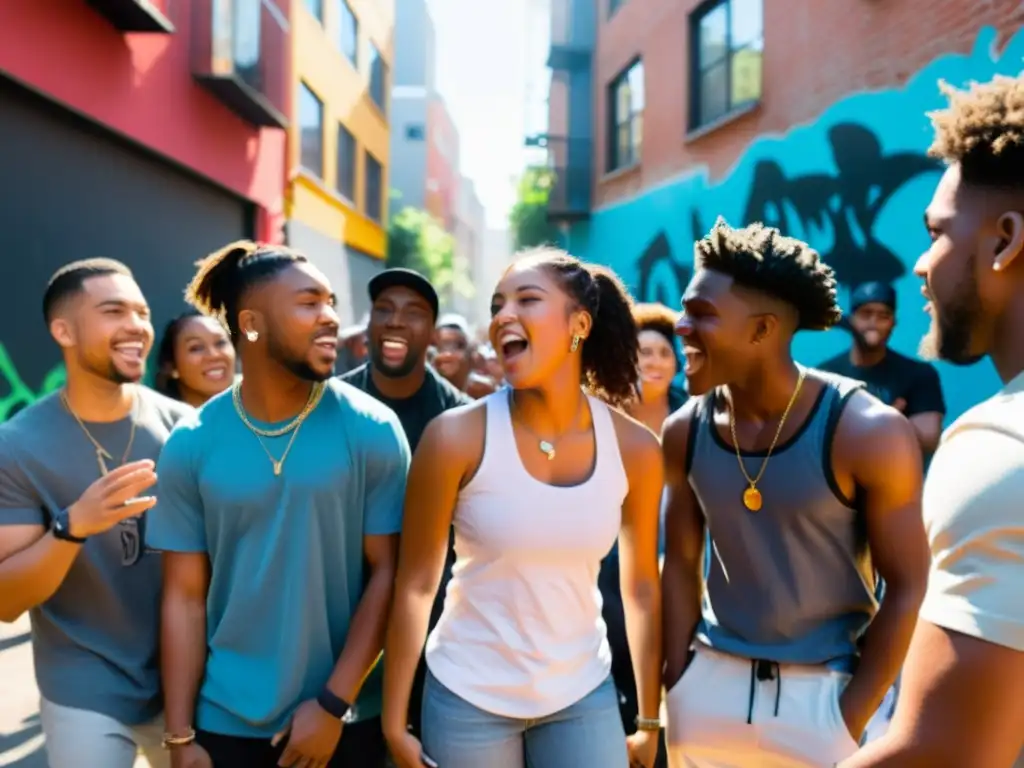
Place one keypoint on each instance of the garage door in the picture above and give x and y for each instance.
(70, 190)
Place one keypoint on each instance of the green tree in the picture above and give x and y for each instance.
(529, 216)
(416, 240)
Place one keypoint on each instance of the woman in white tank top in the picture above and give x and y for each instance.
(538, 480)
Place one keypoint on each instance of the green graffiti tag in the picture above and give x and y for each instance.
(21, 394)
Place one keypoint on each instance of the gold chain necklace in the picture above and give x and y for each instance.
(102, 454)
(752, 496)
(295, 425)
(547, 447)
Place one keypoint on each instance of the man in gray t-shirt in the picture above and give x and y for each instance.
(74, 468)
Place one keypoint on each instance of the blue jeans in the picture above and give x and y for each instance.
(587, 734)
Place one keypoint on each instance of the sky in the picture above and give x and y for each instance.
(490, 68)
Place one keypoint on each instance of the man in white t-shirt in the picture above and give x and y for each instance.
(962, 699)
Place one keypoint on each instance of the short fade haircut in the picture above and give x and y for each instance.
(982, 130)
(69, 281)
(762, 259)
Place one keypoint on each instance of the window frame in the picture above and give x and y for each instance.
(418, 128)
(376, 64)
(304, 87)
(613, 161)
(350, 175)
(369, 157)
(316, 14)
(614, 6)
(695, 120)
(344, 8)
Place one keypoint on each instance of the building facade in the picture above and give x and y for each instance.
(154, 137)
(789, 112)
(469, 225)
(338, 149)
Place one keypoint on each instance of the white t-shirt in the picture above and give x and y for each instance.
(974, 515)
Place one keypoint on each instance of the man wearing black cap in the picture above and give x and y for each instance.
(910, 386)
(400, 330)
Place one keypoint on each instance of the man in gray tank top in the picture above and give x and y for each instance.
(806, 485)
(76, 471)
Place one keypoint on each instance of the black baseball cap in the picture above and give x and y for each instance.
(400, 277)
(873, 293)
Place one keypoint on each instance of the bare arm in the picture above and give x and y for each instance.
(435, 476)
(960, 700)
(681, 576)
(366, 633)
(183, 635)
(928, 428)
(638, 558)
(33, 565)
(890, 480)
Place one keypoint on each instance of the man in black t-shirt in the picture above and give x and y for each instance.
(910, 386)
(399, 332)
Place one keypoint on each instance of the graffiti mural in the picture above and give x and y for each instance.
(854, 184)
(15, 394)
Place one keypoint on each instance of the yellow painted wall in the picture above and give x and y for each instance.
(319, 63)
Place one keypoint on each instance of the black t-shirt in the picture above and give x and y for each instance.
(896, 377)
(434, 397)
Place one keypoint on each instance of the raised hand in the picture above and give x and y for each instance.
(113, 498)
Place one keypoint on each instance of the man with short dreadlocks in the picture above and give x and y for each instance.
(806, 485)
(961, 703)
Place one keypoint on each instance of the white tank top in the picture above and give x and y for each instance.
(521, 634)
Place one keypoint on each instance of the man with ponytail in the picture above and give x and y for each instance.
(807, 486)
(538, 479)
(280, 505)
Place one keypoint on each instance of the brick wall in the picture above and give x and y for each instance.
(815, 51)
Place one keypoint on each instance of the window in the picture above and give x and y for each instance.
(311, 131)
(346, 182)
(316, 7)
(614, 5)
(374, 187)
(378, 79)
(626, 117)
(348, 32)
(415, 132)
(727, 44)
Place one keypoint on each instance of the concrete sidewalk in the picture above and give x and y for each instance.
(21, 737)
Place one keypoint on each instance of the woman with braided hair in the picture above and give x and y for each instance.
(538, 480)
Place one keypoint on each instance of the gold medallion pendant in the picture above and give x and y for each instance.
(547, 449)
(752, 499)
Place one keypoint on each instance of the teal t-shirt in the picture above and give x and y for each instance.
(286, 552)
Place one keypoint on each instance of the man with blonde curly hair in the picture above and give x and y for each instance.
(961, 702)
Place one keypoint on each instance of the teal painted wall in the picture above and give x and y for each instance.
(854, 184)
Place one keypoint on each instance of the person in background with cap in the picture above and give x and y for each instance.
(399, 332)
(454, 358)
(910, 386)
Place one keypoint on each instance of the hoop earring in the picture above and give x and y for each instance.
(575, 344)
(252, 335)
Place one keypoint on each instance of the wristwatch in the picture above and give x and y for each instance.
(335, 706)
(60, 526)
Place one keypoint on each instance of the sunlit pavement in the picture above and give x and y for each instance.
(21, 738)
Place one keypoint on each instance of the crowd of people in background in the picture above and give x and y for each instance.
(404, 544)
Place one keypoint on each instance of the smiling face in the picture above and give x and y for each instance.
(400, 330)
(204, 359)
(964, 294)
(452, 359)
(107, 328)
(533, 322)
(718, 333)
(873, 322)
(657, 363)
(301, 323)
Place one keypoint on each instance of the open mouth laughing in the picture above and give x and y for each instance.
(512, 345)
(393, 350)
(694, 360)
(130, 353)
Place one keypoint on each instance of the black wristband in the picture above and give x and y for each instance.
(61, 528)
(335, 706)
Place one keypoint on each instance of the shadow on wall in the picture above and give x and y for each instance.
(854, 184)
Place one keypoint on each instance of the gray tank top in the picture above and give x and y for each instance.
(792, 583)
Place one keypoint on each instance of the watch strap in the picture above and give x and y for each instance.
(333, 705)
(61, 528)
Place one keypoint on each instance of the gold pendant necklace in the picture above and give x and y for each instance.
(315, 395)
(547, 447)
(102, 454)
(752, 498)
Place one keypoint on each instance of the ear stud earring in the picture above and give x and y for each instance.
(252, 335)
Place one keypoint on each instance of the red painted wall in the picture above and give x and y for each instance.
(141, 86)
(442, 163)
